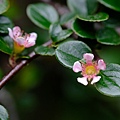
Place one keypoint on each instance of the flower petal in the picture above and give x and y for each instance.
(82, 80)
(95, 79)
(17, 31)
(10, 32)
(20, 41)
(30, 41)
(77, 67)
(88, 57)
(101, 65)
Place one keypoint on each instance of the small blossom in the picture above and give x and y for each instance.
(21, 40)
(89, 69)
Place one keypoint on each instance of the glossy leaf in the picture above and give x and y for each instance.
(4, 47)
(43, 50)
(7, 41)
(113, 4)
(92, 6)
(94, 18)
(82, 7)
(112, 22)
(83, 29)
(67, 17)
(3, 113)
(110, 81)
(71, 51)
(5, 23)
(55, 29)
(4, 5)
(108, 36)
(42, 15)
(57, 34)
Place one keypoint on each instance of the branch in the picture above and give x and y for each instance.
(20, 65)
(61, 9)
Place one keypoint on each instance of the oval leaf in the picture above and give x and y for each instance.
(5, 23)
(3, 113)
(108, 36)
(57, 34)
(92, 6)
(54, 30)
(113, 4)
(63, 35)
(43, 50)
(4, 47)
(112, 22)
(83, 29)
(94, 18)
(67, 17)
(82, 7)
(71, 51)
(110, 81)
(42, 15)
(4, 5)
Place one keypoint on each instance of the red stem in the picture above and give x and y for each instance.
(19, 66)
(61, 9)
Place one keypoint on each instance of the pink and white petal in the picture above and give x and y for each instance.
(82, 80)
(17, 31)
(30, 40)
(95, 79)
(88, 57)
(33, 37)
(10, 33)
(77, 67)
(20, 40)
(101, 65)
(29, 44)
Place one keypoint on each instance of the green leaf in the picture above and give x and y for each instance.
(92, 6)
(42, 15)
(5, 23)
(57, 34)
(82, 7)
(43, 50)
(3, 113)
(83, 29)
(112, 22)
(69, 52)
(108, 36)
(110, 81)
(54, 30)
(113, 4)
(4, 5)
(67, 17)
(94, 18)
(4, 47)
(8, 41)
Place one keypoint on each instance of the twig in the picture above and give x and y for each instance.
(20, 65)
(17, 68)
(61, 10)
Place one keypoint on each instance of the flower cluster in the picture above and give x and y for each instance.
(89, 69)
(21, 40)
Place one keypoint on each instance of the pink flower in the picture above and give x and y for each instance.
(22, 40)
(89, 69)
